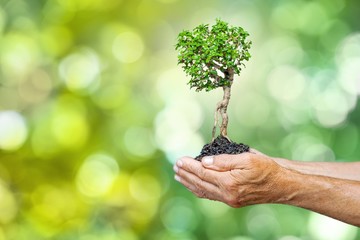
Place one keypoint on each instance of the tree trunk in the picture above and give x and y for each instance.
(223, 111)
(221, 108)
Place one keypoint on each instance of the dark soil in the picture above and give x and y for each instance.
(221, 145)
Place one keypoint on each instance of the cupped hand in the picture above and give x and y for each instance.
(237, 180)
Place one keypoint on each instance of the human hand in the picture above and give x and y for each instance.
(237, 180)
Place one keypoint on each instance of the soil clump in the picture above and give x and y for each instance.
(222, 145)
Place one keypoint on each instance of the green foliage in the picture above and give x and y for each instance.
(208, 56)
(90, 79)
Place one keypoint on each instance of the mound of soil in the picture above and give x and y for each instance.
(222, 145)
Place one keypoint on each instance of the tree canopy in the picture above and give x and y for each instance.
(208, 54)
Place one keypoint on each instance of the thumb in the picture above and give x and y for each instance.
(219, 162)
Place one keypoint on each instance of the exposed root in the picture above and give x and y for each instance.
(221, 109)
(216, 120)
(227, 138)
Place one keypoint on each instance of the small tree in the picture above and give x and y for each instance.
(211, 57)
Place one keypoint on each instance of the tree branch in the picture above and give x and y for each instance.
(217, 66)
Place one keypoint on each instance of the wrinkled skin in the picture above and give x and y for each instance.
(237, 180)
(329, 188)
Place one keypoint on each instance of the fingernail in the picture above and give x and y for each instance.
(177, 178)
(176, 169)
(179, 163)
(208, 160)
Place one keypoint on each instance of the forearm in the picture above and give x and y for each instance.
(336, 198)
(342, 170)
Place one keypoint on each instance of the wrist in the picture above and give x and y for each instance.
(294, 188)
(280, 184)
(287, 186)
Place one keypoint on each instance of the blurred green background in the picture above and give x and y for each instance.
(94, 111)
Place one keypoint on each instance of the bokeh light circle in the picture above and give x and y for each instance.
(128, 47)
(177, 215)
(286, 83)
(96, 175)
(322, 227)
(13, 130)
(80, 70)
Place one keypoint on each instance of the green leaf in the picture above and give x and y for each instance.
(203, 46)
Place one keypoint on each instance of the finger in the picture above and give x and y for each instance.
(198, 187)
(196, 180)
(195, 167)
(226, 162)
